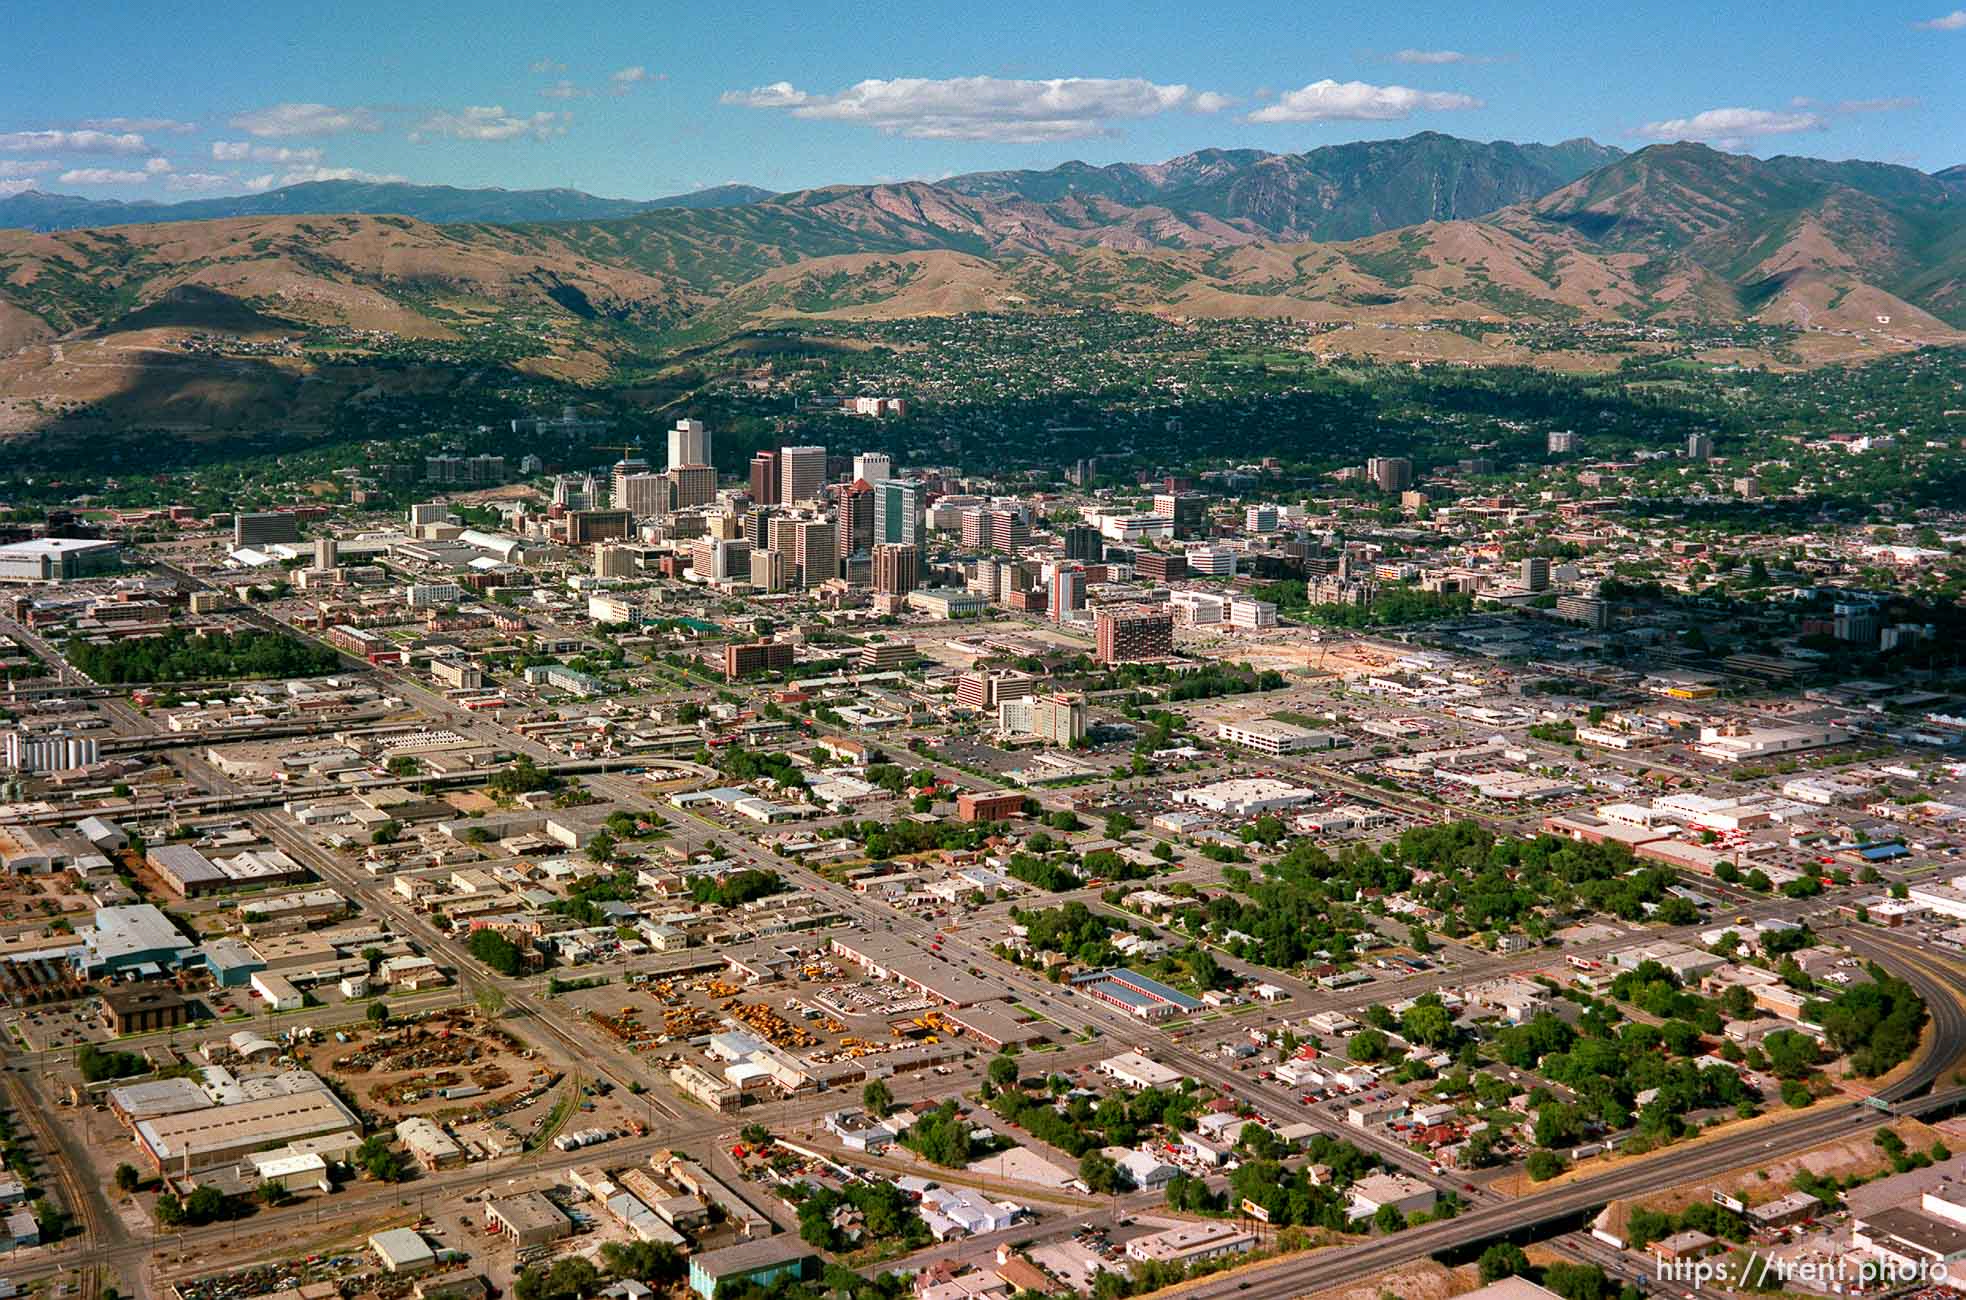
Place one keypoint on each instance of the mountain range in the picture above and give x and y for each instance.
(1859, 257)
(438, 204)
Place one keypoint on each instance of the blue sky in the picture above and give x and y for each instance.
(142, 101)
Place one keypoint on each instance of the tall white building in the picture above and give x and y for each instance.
(872, 467)
(689, 444)
(801, 473)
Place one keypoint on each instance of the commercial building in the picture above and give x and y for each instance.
(750, 1264)
(428, 1144)
(140, 1008)
(130, 938)
(982, 691)
(58, 559)
(1268, 736)
(872, 467)
(1160, 566)
(1252, 615)
(897, 568)
(1406, 1194)
(402, 1250)
(690, 487)
(765, 479)
(1390, 473)
(1055, 718)
(801, 474)
(947, 602)
(741, 659)
(528, 1219)
(899, 505)
(1131, 632)
(1588, 610)
(988, 805)
(1189, 1243)
(1067, 592)
(262, 528)
(1186, 512)
(1134, 993)
(193, 1141)
(585, 527)
(689, 444)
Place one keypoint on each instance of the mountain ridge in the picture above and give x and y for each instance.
(40, 211)
(1678, 234)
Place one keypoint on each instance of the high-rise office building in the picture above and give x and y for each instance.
(624, 469)
(1067, 592)
(1562, 442)
(585, 527)
(327, 553)
(872, 467)
(691, 486)
(815, 552)
(718, 559)
(801, 473)
(897, 568)
(1133, 632)
(1535, 573)
(1390, 473)
(1699, 446)
(764, 479)
(1186, 511)
(643, 494)
(689, 444)
(898, 511)
(269, 526)
(1083, 542)
(853, 517)
(613, 561)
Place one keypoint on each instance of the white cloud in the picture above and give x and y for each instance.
(303, 175)
(630, 75)
(1730, 128)
(30, 167)
(10, 188)
(1952, 22)
(491, 122)
(547, 67)
(984, 108)
(1359, 101)
(127, 142)
(1893, 104)
(1428, 58)
(282, 121)
(167, 124)
(158, 167)
(199, 182)
(247, 151)
(102, 176)
(564, 89)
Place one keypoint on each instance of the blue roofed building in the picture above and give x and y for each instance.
(1134, 993)
(138, 939)
(232, 963)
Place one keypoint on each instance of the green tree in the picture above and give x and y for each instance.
(877, 1098)
(1503, 1259)
(1100, 1175)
